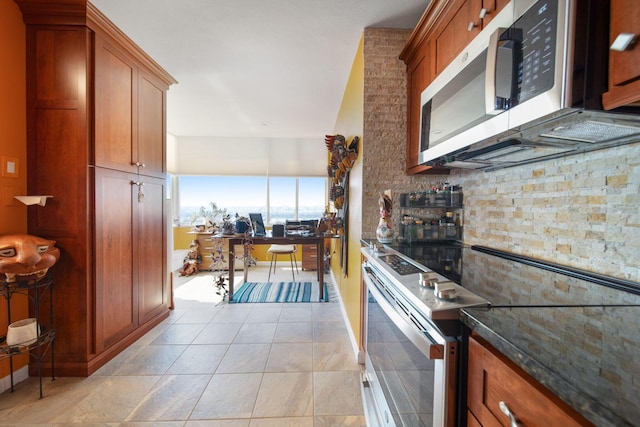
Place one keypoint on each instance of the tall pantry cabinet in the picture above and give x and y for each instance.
(96, 108)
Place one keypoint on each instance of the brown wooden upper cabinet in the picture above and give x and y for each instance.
(624, 65)
(444, 30)
(418, 75)
(463, 22)
(129, 113)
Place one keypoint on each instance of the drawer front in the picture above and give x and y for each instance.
(309, 257)
(493, 378)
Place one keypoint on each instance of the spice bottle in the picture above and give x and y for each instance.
(449, 217)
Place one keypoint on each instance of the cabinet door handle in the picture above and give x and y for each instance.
(140, 165)
(471, 26)
(483, 13)
(623, 42)
(512, 418)
(140, 192)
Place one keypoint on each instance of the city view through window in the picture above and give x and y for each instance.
(273, 197)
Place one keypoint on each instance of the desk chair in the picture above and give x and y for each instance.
(276, 250)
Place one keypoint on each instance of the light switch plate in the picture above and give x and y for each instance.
(10, 167)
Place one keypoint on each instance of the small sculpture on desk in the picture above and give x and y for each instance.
(384, 232)
(328, 223)
(26, 257)
(227, 227)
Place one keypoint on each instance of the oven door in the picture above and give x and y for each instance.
(410, 365)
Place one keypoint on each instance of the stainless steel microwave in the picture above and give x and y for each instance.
(528, 87)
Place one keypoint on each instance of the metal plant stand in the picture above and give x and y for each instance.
(35, 290)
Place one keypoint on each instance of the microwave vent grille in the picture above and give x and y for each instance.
(591, 132)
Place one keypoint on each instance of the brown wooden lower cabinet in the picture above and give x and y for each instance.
(129, 291)
(493, 378)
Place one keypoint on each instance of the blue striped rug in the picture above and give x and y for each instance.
(279, 292)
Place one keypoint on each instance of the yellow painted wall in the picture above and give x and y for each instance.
(350, 123)
(13, 146)
(181, 239)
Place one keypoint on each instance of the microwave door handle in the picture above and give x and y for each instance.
(490, 74)
(499, 73)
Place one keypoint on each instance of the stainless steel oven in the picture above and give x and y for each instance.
(411, 341)
(410, 364)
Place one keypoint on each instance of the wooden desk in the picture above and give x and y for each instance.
(289, 240)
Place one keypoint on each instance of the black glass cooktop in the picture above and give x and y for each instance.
(510, 280)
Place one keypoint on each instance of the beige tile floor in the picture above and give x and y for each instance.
(219, 365)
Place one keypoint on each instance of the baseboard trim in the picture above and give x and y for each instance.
(18, 376)
(345, 317)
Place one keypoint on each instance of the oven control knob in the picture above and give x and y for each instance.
(428, 280)
(445, 291)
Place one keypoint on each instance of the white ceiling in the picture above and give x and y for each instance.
(255, 68)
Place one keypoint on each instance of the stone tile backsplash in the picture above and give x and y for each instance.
(582, 210)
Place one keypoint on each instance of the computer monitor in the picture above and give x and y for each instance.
(258, 224)
(312, 224)
(301, 228)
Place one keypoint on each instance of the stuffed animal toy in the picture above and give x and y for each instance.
(191, 263)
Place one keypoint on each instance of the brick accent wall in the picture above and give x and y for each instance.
(385, 132)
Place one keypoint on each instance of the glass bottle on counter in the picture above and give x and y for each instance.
(419, 230)
(435, 230)
(431, 197)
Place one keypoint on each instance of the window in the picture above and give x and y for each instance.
(282, 200)
(311, 198)
(277, 199)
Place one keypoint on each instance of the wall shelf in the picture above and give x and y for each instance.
(421, 220)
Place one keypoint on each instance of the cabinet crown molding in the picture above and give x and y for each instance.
(427, 24)
(54, 12)
(84, 13)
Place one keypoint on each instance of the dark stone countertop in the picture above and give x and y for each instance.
(587, 356)
(576, 332)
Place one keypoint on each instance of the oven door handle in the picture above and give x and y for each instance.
(402, 320)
